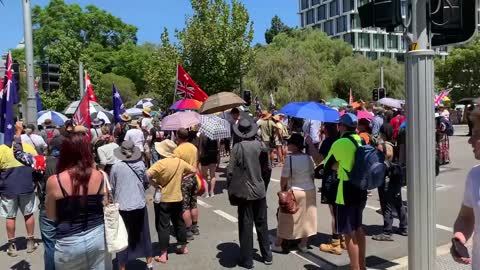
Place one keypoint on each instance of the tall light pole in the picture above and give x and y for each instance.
(31, 117)
(420, 143)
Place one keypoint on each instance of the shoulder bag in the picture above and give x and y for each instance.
(286, 198)
(116, 234)
(145, 184)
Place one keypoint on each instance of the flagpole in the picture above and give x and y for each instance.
(27, 28)
(175, 90)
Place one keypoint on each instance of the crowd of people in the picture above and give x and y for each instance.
(68, 173)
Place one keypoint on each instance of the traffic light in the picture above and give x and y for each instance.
(381, 13)
(50, 76)
(247, 96)
(16, 74)
(452, 21)
(375, 94)
(381, 93)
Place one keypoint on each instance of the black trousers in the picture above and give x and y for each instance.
(391, 200)
(249, 213)
(164, 213)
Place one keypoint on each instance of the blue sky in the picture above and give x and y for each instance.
(150, 16)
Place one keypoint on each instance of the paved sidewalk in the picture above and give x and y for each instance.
(445, 262)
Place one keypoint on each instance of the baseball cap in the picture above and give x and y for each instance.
(348, 119)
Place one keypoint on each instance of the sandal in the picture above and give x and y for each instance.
(182, 251)
(157, 259)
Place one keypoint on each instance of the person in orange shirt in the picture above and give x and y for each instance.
(365, 130)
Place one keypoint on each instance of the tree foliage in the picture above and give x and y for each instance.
(276, 27)
(215, 44)
(125, 87)
(461, 70)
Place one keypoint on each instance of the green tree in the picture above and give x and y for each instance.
(125, 87)
(460, 70)
(276, 27)
(300, 67)
(215, 44)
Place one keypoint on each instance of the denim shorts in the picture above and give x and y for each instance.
(27, 203)
(83, 251)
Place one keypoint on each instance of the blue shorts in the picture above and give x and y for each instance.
(349, 218)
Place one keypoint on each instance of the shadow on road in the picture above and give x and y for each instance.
(20, 242)
(228, 254)
(21, 265)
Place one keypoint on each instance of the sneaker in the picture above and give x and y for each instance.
(212, 195)
(383, 237)
(334, 247)
(277, 249)
(190, 235)
(12, 250)
(268, 261)
(195, 230)
(31, 245)
(302, 249)
(402, 232)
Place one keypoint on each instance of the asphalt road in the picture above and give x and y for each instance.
(217, 246)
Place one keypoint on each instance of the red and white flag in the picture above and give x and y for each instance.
(439, 97)
(350, 98)
(82, 115)
(185, 86)
(89, 87)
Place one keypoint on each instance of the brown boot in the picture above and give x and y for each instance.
(332, 247)
(343, 245)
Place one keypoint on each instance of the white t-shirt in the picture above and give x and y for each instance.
(303, 172)
(147, 123)
(471, 198)
(35, 140)
(136, 136)
(105, 154)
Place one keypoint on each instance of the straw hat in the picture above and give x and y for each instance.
(147, 111)
(165, 148)
(134, 123)
(125, 117)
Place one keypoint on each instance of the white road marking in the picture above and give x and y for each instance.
(204, 204)
(445, 228)
(226, 216)
(274, 180)
(303, 258)
(371, 207)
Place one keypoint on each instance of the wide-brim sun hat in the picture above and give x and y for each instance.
(147, 111)
(246, 128)
(165, 148)
(98, 122)
(125, 117)
(134, 123)
(127, 152)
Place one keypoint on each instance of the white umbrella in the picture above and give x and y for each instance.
(133, 112)
(57, 118)
(146, 103)
(391, 102)
(94, 107)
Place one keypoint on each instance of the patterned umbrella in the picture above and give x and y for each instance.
(146, 103)
(186, 104)
(180, 120)
(94, 107)
(106, 116)
(214, 127)
(57, 118)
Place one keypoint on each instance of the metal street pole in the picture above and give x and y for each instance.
(80, 79)
(420, 144)
(381, 77)
(31, 116)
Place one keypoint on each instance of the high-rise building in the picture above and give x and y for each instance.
(340, 19)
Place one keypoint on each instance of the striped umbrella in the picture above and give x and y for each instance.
(214, 127)
(57, 118)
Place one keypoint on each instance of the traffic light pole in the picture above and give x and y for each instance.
(31, 117)
(420, 144)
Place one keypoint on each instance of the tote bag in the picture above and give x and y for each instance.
(115, 231)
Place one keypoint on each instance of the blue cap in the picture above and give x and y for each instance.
(348, 119)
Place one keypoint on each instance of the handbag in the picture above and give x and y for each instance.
(286, 198)
(116, 234)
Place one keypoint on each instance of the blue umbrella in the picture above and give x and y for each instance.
(57, 118)
(312, 111)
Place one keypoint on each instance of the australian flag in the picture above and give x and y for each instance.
(8, 97)
(37, 97)
(118, 107)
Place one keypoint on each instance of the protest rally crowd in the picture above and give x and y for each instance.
(89, 179)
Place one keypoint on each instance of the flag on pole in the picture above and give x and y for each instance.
(89, 87)
(350, 98)
(8, 97)
(82, 114)
(37, 96)
(186, 86)
(439, 97)
(118, 107)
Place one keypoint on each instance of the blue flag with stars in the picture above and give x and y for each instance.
(8, 97)
(118, 107)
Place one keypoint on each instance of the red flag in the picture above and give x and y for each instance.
(186, 86)
(350, 99)
(89, 87)
(82, 114)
